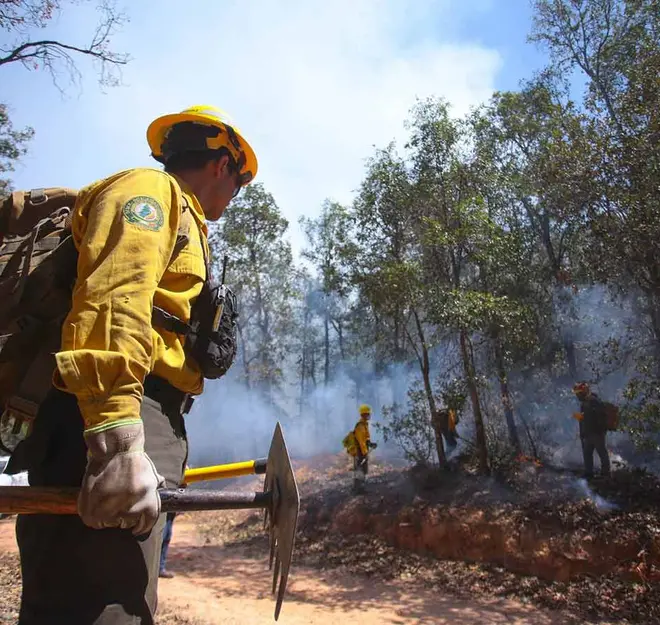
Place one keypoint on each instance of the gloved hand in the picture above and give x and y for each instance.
(120, 481)
(373, 445)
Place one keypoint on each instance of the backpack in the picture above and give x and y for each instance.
(350, 443)
(37, 272)
(38, 266)
(611, 415)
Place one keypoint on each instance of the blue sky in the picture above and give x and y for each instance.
(313, 84)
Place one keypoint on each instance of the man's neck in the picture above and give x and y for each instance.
(191, 183)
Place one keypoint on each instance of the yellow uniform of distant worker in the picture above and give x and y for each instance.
(364, 446)
(363, 436)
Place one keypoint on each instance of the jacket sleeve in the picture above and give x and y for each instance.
(125, 233)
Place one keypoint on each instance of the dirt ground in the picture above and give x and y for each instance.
(220, 559)
(230, 584)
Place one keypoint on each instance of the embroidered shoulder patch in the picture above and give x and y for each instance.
(144, 211)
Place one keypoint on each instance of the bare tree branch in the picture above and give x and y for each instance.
(22, 17)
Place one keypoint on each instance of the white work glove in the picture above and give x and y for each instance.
(120, 482)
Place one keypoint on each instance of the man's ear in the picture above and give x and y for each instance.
(219, 167)
(223, 166)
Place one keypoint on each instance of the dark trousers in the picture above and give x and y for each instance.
(360, 471)
(75, 574)
(167, 537)
(591, 443)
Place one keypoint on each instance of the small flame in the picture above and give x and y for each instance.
(521, 458)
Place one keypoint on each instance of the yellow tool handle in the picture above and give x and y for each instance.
(234, 469)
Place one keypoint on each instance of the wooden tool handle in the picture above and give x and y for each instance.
(37, 500)
(55, 500)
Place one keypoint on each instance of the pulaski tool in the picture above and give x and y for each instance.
(279, 499)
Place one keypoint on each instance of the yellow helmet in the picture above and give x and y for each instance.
(218, 131)
(364, 410)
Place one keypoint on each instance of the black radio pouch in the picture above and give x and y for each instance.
(212, 337)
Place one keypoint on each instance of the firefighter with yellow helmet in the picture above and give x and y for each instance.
(131, 359)
(362, 448)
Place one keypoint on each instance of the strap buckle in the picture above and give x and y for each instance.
(161, 318)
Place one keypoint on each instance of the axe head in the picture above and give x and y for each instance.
(282, 516)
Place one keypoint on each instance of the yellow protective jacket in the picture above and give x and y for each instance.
(451, 421)
(362, 436)
(125, 228)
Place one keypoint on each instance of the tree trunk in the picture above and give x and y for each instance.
(303, 363)
(571, 358)
(540, 221)
(468, 365)
(263, 324)
(654, 313)
(312, 365)
(506, 397)
(425, 367)
(326, 342)
(244, 355)
(339, 329)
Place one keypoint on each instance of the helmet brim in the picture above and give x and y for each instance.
(158, 128)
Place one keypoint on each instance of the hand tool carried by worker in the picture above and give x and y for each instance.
(280, 500)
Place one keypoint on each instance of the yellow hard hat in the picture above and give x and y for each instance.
(364, 409)
(223, 134)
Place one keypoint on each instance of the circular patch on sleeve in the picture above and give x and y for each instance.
(145, 212)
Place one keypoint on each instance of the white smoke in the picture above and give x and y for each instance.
(230, 422)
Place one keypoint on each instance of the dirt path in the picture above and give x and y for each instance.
(223, 585)
(227, 585)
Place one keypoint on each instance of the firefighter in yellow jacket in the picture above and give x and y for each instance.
(126, 373)
(364, 446)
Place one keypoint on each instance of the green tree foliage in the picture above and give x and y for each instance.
(252, 234)
(13, 145)
(459, 272)
(410, 427)
(615, 46)
(328, 247)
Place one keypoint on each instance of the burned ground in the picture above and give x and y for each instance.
(541, 535)
(456, 534)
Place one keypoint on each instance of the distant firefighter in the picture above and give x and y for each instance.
(358, 444)
(444, 423)
(594, 422)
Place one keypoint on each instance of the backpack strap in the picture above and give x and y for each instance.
(183, 233)
(16, 221)
(35, 243)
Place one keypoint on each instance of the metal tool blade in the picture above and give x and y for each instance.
(282, 517)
